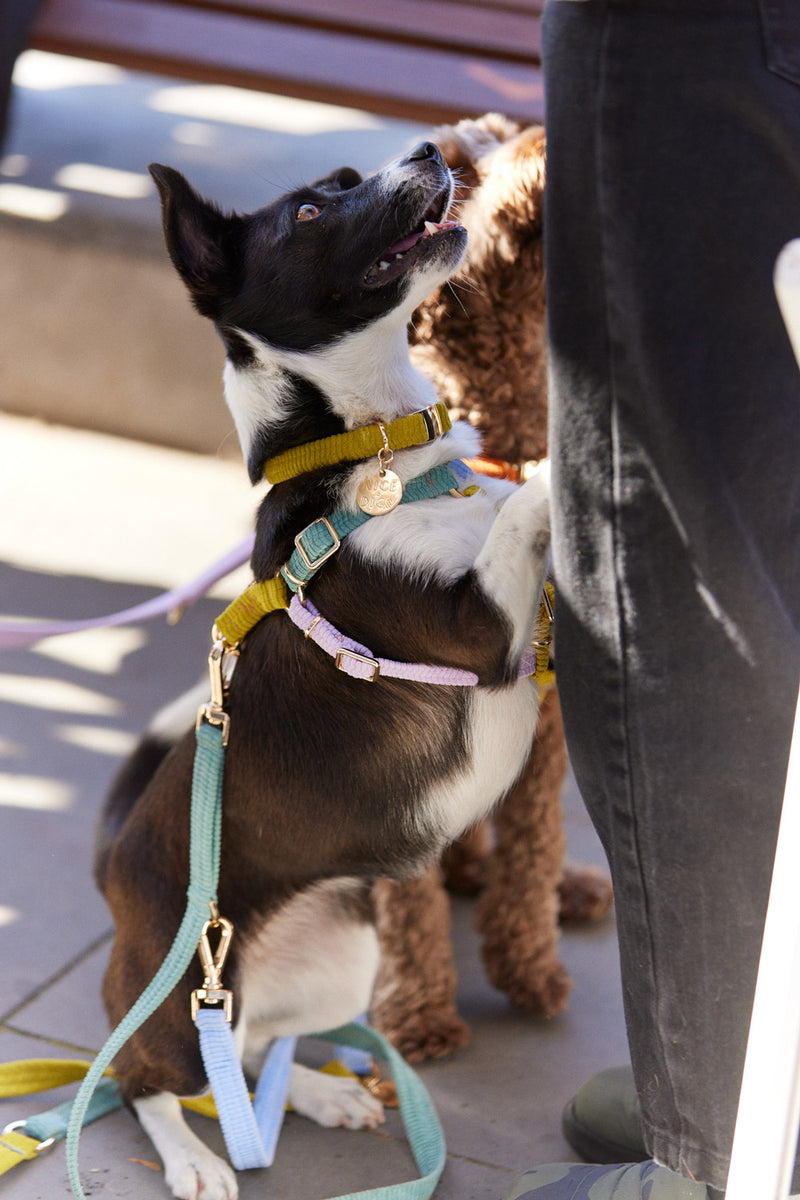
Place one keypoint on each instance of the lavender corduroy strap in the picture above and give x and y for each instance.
(359, 662)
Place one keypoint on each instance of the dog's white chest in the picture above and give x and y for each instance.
(501, 726)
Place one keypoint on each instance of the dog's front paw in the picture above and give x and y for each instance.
(203, 1176)
(192, 1171)
(538, 486)
(333, 1100)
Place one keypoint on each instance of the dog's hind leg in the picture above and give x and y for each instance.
(517, 913)
(310, 968)
(414, 1002)
(330, 1100)
(192, 1171)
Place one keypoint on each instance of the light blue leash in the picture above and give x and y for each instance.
(250, 1129)
(251, 1132)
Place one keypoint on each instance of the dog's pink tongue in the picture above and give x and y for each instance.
(405, 244)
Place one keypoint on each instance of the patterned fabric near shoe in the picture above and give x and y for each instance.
(631, 1181)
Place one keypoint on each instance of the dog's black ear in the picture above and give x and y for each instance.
(339, 181)
(199, 239)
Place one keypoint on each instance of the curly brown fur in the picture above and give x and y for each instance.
(414, 997)
(481, 337)
(517, 912)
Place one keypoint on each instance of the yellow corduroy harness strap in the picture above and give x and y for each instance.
(255, 602)
(543, 644)
(357, 444)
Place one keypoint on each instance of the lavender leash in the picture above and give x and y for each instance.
(19, 634)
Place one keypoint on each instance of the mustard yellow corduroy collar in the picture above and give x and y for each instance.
(359, 444)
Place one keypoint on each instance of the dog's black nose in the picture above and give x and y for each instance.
(425, 150)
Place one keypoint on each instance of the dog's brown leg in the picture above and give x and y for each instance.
(586, 892)
(517, 912)
(465, 864)
(414, 999)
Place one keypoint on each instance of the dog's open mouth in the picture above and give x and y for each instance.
(397, 259)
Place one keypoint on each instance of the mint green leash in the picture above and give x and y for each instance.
(422, 1126)
(419, 1116)
(206, 818)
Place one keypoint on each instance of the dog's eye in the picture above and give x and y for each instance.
(307, 212)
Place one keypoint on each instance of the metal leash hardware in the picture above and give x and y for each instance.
(212, 993)
(546, 618)
(221, 663)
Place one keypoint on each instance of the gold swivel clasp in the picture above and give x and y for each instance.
(212, 993)
(221, 663)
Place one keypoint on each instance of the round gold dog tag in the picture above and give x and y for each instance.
(380, 493)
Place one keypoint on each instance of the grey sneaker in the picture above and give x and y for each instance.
(603, 1120)
(631, 1181)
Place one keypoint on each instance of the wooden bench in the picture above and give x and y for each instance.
(428, 60)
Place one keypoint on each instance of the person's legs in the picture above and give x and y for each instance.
(16, 18)
(673, 181)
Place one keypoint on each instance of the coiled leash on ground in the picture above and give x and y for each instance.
(419, 1116)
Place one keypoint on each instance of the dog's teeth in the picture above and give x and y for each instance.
(397, 257)
(431, 227)
(383, 266)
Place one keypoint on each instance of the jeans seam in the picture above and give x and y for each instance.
(615, 465)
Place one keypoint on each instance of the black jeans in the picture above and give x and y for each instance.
(673, 181)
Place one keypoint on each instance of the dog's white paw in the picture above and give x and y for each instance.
(202, 1177)
(333, 1100)
(542, 471)
(538, 483)
(192, 1171)
(536, 490)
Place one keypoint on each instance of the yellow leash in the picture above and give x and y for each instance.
(31, 1075)
(39, 1075)
(24, 1140)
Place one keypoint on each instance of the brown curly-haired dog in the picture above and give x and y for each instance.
(482, 339)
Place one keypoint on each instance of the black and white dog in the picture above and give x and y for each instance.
(330, 782)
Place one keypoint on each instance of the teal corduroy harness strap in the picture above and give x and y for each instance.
(321, 538)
